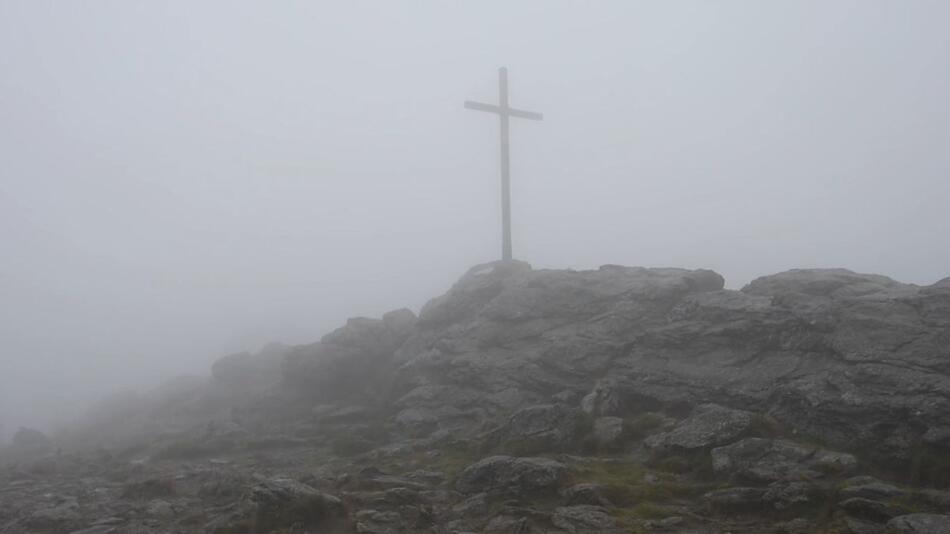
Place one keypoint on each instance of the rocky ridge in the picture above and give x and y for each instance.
(621, 399)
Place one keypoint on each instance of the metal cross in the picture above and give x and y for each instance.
(503, 112)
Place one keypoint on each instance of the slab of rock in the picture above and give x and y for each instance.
(524, 476)
(709, 425)
(545, 427)
(869, 488)
(920, 524)
(280, 502)
(800, 346)
(870, 509)
(583, 519)
(784, 495)
(768, 460)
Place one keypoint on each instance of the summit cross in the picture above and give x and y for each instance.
(504, 112)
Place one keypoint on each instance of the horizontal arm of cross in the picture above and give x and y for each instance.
(503, 111)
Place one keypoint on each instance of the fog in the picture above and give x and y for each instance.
(182, 180)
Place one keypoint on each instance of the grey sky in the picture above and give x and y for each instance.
(179, 180)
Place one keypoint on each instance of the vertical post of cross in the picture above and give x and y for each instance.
(505, 166)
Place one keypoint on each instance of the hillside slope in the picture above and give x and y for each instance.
(621, 399)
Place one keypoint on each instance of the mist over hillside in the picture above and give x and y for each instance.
(183, 181)
(701, 245)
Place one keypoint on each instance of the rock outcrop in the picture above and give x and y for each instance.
(621, 399)
(855, 361)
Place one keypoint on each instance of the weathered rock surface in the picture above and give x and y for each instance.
(920, 524)
(512, 475)
(767, 460)
(709, 425)
(614, 400)
(855, 360)
(545, 427)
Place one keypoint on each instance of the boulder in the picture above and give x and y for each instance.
(920, 524)
(583, 519)
(870, 488)
(709, 425)
(507, 474)
(545, 427)
(869, 509)
(798, 346)
(281, 502)
(768, 460)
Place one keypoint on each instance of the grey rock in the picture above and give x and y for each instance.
(869, 509)
(784, 495)
(474, 506)
(798, 346)
(767, 460)
(920, 524)
(582, 519)
(277, 501)
(524, 476)
(709, 425)
(870, 488)
(378, 522)
(546, 427)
